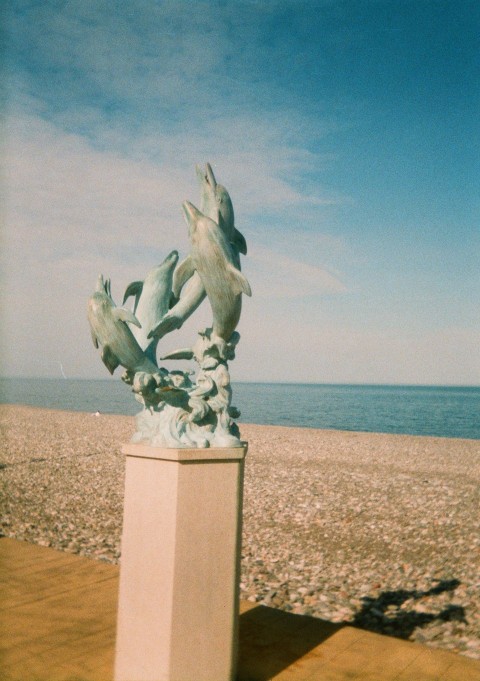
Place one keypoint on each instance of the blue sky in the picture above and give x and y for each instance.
(346, 133)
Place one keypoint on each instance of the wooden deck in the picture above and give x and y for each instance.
(57, 616)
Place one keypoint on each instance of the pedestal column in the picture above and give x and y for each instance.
(180, 564)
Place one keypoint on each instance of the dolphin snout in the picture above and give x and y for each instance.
(210, 176)
(206, 176)
(100, 285)
(192, 214)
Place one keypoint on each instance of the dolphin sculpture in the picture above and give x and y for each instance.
(152, 301)
(217, 205)
(108, 325)
(215, 202)
(214, 260)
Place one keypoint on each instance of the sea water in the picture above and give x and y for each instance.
(414, 410)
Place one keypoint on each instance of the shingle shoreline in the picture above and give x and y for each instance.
(377, 530)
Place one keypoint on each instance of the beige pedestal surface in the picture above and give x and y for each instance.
(180, 564)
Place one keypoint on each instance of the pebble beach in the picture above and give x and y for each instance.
(377, 531)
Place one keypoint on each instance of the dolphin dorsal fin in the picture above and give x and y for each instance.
(238, 281)
(239, 241)
(182, 274)
(124, 315)
(133, 289)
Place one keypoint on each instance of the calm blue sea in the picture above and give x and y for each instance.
(415, 410)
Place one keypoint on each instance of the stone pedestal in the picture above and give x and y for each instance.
(180, 564)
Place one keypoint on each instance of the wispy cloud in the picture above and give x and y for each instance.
(77, 197)
(110, 109)
(276, 275)
(176, 59)
(71, 197)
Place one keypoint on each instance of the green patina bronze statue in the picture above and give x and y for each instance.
(176, 411)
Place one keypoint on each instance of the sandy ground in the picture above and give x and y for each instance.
(381, 531)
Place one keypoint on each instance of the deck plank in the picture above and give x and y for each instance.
(58, 614)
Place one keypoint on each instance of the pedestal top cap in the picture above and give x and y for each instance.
(185, 455)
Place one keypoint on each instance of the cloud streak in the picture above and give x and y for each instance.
(280, 276)
(72, 197)
(174, 58)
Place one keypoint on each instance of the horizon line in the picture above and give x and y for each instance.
(270, 382)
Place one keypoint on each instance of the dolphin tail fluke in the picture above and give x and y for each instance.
(238, 281)
(182, 274)
(109, 359)
(133, 289)
(239, 241)
(124, 315)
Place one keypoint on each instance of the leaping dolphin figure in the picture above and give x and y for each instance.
(215, 202)
(217, 205)
(108, 325)
(152, 301)
(214, 260)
